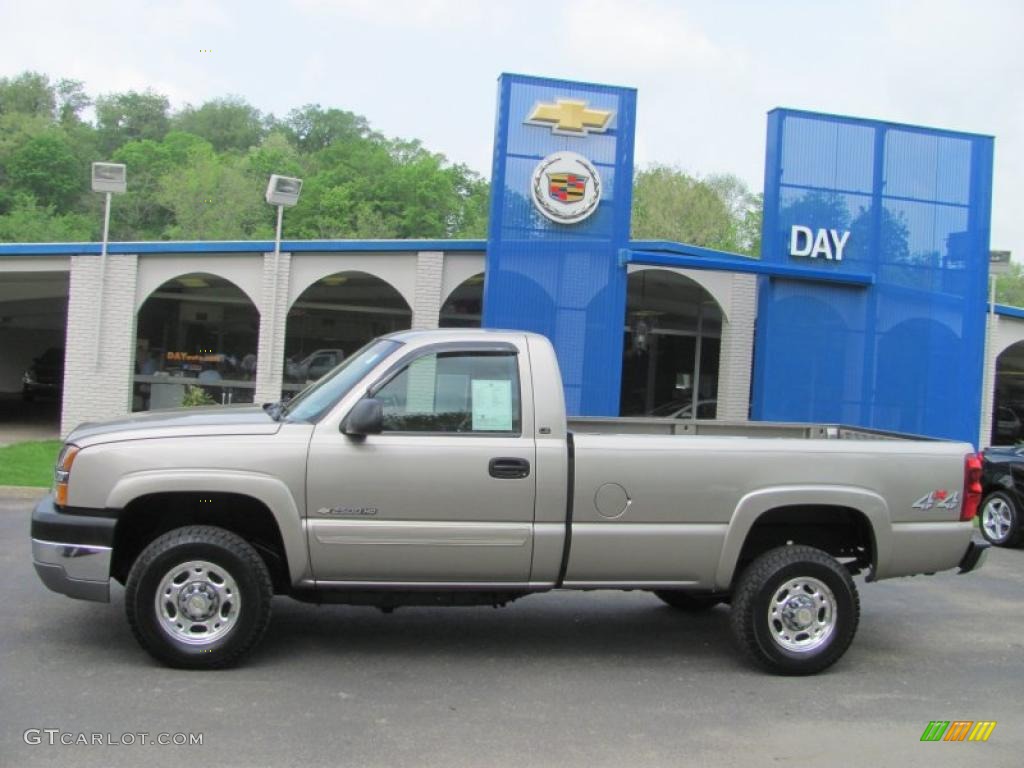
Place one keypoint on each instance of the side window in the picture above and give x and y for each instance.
(470, 392)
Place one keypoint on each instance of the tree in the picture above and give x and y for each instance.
(669, 204)
(28, 222)
(750, 226)
(314, 128)
(123, 117)
(71, 100)
(275, 155)
(1010, 286)
(47, 167)
(228, 123)
(30, 93)
(214, 198)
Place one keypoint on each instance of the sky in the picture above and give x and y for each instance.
(706, 72)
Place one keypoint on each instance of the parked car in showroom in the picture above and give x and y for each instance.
(315, 365)
(1002, 484)
(683, 409)
(45, 377)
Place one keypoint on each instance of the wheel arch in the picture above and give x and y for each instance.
(265, 512)
(805, 511)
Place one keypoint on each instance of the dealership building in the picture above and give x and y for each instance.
(868, 305)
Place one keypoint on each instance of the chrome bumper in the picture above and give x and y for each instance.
(75, 570)
(71, 550)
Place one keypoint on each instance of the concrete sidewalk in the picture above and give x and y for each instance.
(21, 421)
(22, 492)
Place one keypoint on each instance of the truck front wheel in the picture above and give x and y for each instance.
(198, 597)
(795, 610)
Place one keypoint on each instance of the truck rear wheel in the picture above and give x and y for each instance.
(795, 610)
(198, 598)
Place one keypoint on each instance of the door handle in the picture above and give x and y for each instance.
(509, 468)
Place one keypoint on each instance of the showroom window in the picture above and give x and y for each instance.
(673, 335)
(197, 330)
(464, 306)
(334, 317)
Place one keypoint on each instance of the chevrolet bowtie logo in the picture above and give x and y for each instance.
(570, 117)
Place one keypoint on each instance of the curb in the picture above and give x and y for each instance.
(22, 492)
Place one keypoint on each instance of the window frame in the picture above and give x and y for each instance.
(494, 349)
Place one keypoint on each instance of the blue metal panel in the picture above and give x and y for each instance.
(704, 258)
(1003, 309)
(562, 280)
(906, 353)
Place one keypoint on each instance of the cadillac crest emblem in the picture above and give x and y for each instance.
(566, 187)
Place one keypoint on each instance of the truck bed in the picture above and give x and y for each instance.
(644, 425)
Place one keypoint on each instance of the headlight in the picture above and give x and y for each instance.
(28, 378)
(62, 473)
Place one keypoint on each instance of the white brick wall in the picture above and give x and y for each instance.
(100, 387)
(273, 315)
(429, 275)
(736, 356)
(98, 378)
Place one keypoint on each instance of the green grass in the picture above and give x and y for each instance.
(28, 463)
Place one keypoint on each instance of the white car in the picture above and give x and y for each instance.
(676, 409)
(315, 365)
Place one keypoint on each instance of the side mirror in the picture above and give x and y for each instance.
(365, 418)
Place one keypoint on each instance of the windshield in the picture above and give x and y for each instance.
(311, 403)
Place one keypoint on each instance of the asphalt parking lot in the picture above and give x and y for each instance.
(595, 679)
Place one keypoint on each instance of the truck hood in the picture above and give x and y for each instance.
(178, 422)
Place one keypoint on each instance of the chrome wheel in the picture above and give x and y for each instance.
(802, 614)
(997, 519)
(197, 602)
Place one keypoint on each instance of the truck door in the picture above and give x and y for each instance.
(445, 494)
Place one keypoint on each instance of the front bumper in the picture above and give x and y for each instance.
(975, 556)
(71, 550)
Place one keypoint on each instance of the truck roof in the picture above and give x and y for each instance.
(461, 334)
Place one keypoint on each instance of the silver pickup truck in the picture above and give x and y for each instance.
(438, 468)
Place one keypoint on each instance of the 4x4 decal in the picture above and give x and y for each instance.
(940, 499)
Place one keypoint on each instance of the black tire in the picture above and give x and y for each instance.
(786, 649)
(27, 396)
(234, 562)
(688, 601)
(999, 520)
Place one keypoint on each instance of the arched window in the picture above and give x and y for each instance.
(464, 306)
(333, 318)
(673, 333)
(1008, 402)
(195, 330)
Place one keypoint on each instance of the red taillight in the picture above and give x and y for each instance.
(972, 486)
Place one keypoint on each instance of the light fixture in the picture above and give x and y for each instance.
(109, 177)
(283, 190)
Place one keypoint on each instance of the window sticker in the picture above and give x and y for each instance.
(492, 405)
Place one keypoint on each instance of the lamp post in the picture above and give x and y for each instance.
(111, 179)
(282, 191)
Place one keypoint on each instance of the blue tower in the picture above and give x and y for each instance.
(561, 190)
